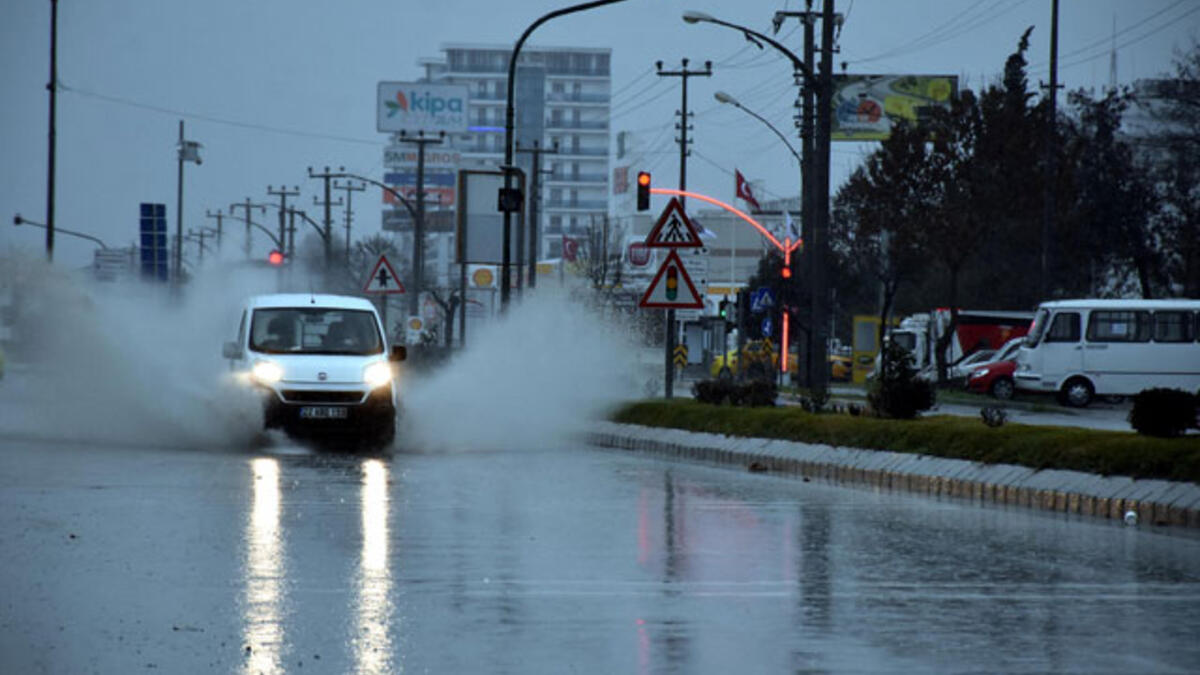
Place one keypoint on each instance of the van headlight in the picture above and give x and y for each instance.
(979, 373)
(377, 374)
(267, 371)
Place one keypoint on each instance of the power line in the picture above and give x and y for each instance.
(1103, 53)
(948, 30)
(215, 120)
(1108, 38)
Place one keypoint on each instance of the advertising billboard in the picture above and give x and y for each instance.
(865, 107)
(419, 106)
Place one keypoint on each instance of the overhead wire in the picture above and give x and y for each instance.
(948, 30)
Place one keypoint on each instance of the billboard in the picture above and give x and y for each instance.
(865, 107)
(404, 157)
(480, 229)
(419, 106)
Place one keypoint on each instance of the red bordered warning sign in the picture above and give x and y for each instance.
(383, 278)
(674, 229)
(672, 288)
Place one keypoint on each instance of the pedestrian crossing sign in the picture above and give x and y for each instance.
(383, 278)
(674, 229)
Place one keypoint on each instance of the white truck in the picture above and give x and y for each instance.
(975, 330)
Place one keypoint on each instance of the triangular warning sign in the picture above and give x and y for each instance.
(672, 288)
(674, 229)
(383, 278)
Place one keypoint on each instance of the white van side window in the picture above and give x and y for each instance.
(1119, 326)
(241, 338)
(1064, 328)
(1173, 327)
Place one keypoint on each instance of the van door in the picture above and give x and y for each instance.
(1119, 351)
(1061, 350)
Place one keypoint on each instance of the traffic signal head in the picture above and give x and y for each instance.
(643, 190)
(786, 273)
(723, 309)
(275, 258)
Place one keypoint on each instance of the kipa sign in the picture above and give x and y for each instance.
(418, 106)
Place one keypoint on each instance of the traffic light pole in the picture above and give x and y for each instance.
(534, 198)
(283, 193)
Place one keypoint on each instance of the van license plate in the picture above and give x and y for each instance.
(323, 412)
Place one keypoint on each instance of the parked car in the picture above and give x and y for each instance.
(320, 364)
(995, 379)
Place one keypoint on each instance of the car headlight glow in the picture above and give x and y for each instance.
(377, 374)
(979, 373)
(267, 371)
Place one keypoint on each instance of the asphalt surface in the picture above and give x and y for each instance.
(119, 559)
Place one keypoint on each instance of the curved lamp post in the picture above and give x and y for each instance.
(19, 220)
(726, 98)
(509, 115)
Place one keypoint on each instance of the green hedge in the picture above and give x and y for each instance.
(1039, 447)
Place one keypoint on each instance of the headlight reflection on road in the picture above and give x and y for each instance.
(264, 573)
(373, 640)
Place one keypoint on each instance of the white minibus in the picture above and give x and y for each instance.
(1080, 349)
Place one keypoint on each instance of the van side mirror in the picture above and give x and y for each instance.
(399, 353)
(231, 350)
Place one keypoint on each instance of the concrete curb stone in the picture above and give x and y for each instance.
(1156, 502)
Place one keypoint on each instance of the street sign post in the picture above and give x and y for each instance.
(383, 281)
(674, 231)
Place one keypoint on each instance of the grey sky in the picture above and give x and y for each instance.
(298, 79)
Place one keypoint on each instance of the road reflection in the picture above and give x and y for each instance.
(373, 608)
(264, 573)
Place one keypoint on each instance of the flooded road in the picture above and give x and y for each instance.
(569, 560)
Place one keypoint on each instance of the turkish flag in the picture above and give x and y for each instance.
(743, 191)
(570, 249)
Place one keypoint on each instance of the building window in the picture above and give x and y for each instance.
(556, 88)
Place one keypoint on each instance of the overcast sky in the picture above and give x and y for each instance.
(273, 86)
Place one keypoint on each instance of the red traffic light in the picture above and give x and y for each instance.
(643, 190)
(787, 273)
(643, 179)
(275, 258)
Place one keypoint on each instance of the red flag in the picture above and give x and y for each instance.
(570, 249)
(743, 191)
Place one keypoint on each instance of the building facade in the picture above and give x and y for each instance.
(562, 101)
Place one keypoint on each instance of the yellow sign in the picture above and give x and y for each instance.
(483, 277)
(866, 107)
(415, 323)
(681, 353)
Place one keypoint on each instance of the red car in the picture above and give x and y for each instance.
(995, 379)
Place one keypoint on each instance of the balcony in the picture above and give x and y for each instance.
(575, 178)
(582, 152)
(577, 124)
(564, 97)
(580, 204)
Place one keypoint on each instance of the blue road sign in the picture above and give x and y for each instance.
(767, 325)
(153, 240)
(761, 299)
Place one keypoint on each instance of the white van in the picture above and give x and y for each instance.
(320, 363)
(1080, 349)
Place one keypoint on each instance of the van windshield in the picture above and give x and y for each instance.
(315, 330)
(906, 340)
(1039, 326)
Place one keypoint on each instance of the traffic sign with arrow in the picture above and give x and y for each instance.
(383, 279)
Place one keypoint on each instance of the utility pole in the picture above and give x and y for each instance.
(283, 193)
(534, 198)
(683, 74)
(1049, 201)
(247, 206)
(350, 189)
(824, 115)
(220, 230)
(53, 87)
(291, 231)
(418, 255)
(326, 203)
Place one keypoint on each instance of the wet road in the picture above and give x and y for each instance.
(119, 560)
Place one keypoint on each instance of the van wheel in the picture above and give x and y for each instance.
(1003, 389)
(1077, 392)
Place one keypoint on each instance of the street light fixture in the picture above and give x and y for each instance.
(509, 118)
(815, 179)
(189, 151)
(726, 98)
(19, 220)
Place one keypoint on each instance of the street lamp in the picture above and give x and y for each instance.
(189, 151)
(19, 220)
(726, 98)
(815, 179)
(509, 116)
